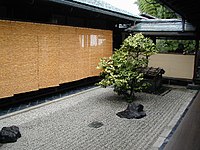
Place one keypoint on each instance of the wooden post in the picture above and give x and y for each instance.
(154, 39)
(196, 59)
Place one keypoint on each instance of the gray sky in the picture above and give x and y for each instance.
(127, 5)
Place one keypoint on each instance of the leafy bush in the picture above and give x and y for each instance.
(122, 69)
(170, 46)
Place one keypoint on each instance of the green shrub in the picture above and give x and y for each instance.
(122, 69)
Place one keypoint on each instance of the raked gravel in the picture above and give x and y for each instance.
(63, 124)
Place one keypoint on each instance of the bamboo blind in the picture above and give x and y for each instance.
(35, 56)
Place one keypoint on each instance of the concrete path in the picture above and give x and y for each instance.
(63, 124)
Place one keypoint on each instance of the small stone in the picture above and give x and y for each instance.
(96, 124)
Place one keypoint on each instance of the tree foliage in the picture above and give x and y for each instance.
(153, 8)
(122, 69)
(167, 46)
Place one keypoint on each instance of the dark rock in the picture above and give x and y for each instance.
(133, 110)
(135, 107)
(96, 124)
(9, 134)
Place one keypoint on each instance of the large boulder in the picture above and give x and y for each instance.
(134, 110)
(9, 134)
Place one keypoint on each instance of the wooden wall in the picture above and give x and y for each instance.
(35, 56)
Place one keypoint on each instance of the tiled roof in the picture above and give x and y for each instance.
(172, 28)
(103, 4)
(161, 25)
(100, 6)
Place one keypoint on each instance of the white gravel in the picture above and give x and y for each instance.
(63, 124)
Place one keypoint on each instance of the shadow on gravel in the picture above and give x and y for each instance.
(161, 91)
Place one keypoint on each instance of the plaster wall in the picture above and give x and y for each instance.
(175, 65)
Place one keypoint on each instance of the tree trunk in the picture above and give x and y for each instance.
(132, 94)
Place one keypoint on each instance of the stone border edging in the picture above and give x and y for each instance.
(172, 126)
(44, 104)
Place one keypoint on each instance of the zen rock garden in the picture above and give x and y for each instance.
(101, 115)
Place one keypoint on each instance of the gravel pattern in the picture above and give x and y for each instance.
(64, 124)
